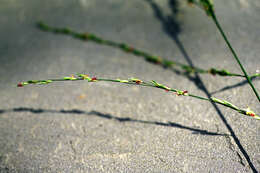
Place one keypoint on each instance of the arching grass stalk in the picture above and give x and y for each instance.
(136, 81)
(207, 5)
(149, 57)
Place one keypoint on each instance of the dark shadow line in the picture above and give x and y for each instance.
(167, 26)
(169, 124)
(244, 82)
(109, 116)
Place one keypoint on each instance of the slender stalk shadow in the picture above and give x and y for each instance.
(244, 82)
(169, 29)
(112, 117)
(169, 124)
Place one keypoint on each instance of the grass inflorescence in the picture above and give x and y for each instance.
(207, 6)
(147, 56)
(136, 81)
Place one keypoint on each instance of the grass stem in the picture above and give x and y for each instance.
(207, 5)
(129, 49)
(136, 81)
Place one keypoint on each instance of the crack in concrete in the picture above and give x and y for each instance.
(240, 159)
(232, 147)
(73, 149)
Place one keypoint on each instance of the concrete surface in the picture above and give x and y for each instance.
(104, 127)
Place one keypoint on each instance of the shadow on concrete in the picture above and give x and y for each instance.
(171, 31)
(112, 117)
(244, 82)
(170, 26)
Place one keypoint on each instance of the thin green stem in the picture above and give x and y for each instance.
(149, 57)
(235, 56)
(208, 7)
(136, 81)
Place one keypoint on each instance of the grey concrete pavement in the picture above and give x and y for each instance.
(105, 127)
